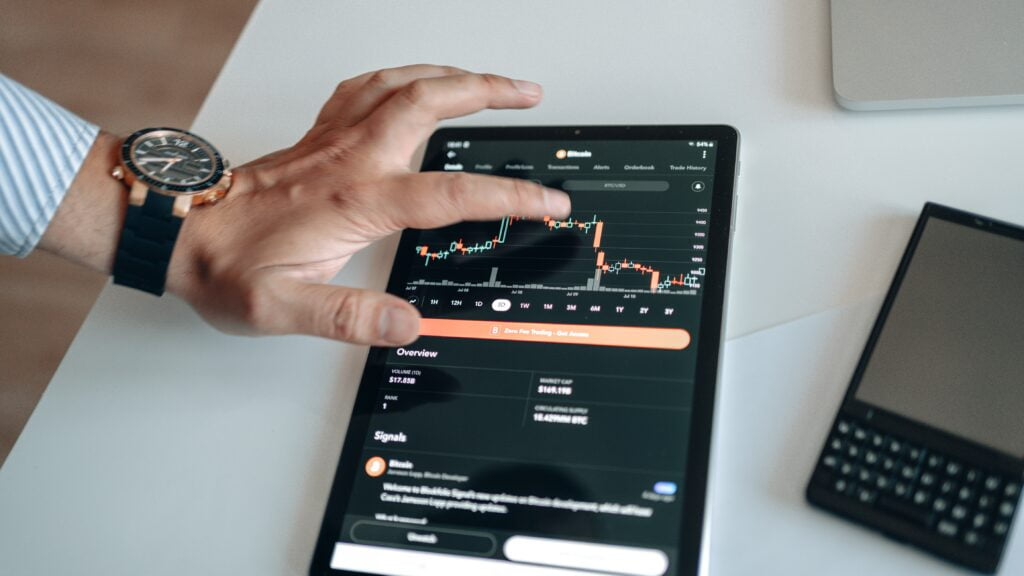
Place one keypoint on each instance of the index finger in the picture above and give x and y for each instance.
(411, 114)
(355, 98)
(435, 199)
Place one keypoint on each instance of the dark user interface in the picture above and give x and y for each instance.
(542, 420)
(950, 352)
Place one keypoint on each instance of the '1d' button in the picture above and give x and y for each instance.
(405, 536)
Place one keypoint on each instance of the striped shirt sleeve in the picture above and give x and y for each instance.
(42, 146)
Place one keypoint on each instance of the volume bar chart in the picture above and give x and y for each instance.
(592, 284)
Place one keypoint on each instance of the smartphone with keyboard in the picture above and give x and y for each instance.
(928, 444)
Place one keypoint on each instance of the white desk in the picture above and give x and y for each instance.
(136, 461)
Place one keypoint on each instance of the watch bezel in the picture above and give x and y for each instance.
(172, 189)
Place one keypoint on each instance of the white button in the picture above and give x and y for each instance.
(501, 305)
(585, 555)
(382, 560)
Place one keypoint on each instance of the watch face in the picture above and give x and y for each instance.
(172, 160)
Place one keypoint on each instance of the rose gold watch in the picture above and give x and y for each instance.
(167, 171)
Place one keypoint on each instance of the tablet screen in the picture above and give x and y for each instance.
(543, 421)
(949, 354)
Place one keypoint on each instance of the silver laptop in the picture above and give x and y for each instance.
(889, 54)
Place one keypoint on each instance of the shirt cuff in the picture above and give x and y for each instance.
(86, 135)
(42, 148)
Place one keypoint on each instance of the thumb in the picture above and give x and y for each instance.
(352, 315)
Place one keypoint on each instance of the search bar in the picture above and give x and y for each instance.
(615, 185)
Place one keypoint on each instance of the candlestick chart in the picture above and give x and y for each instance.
(608, 249)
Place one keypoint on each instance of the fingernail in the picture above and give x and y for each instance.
(556, 202)
(399, 326)
(527, 87)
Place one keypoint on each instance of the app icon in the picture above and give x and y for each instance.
(376, 466)
(666, 488)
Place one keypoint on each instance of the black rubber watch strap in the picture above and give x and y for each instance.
(147, 242)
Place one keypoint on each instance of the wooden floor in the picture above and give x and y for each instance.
(122, 65)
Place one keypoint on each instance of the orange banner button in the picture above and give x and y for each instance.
(588, 334)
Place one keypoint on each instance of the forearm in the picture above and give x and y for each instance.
(88, 223)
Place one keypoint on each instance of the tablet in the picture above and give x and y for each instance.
(555, 415)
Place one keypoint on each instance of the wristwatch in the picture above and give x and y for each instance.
(167, 171)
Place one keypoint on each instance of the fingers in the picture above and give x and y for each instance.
(408, 118)
(355, 98)
(349, 315)
(434, 199)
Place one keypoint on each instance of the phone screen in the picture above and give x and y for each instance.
(542, 422)
(950, 353)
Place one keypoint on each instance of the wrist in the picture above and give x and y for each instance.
(194, 264)
(87, 224)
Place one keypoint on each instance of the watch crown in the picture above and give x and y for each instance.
(117, 173)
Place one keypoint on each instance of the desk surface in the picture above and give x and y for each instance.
(221, 463)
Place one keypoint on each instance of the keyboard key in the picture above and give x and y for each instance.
(877, 440)
(966, 493)
(958, 512)
(843, 427)
(901, 489)
(1006, 509)
(871, 457)
(940, 505)
(846, 469)
(916, 514)
(882, 482)
(852, 451)
(908, 472)
(991, 483)
(1011, 489)
(914, 454)
(860, 434)
(841, 485)
(971, 538)
(866, 496)
(895, 446)
(1001, 528)
(972, 476)
(835, 445)
(934, 461)
(985, 502)
(947, 487)
(947, 528)
(865, 476)
(953, 468)
(927, 479)
(979, 520)
(921, 498)
(888, 464)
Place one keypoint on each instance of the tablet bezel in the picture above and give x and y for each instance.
(710, 334)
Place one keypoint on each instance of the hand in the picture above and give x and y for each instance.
(257, 261)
